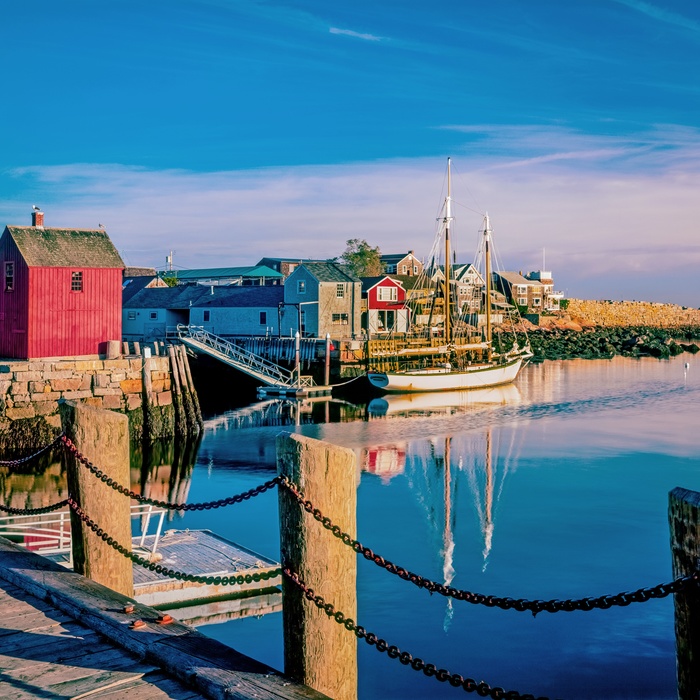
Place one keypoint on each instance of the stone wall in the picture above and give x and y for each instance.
(30, 392)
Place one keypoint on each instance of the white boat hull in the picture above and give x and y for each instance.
(444, 379)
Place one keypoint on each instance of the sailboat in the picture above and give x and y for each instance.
(456, 363)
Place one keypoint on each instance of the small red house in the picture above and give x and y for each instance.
(61, 291)
(386, 306)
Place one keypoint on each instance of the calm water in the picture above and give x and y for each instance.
(556, 487)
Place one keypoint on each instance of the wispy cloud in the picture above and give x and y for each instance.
(610, 231)
(356, 35)
(661, 14)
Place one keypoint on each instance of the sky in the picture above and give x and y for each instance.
(230, 130)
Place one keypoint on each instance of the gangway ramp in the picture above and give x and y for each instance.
(270, 374)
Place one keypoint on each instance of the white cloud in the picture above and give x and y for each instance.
(661, 14)
(608, 230)
(356, 35)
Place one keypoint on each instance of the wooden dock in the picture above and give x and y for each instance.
(45, 653)
(203, 553)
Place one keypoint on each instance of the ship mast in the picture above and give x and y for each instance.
(487, 272)
(446, 222)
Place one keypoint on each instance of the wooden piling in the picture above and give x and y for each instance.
(684, 522)
(317, 650)
(180, 417)
(103, 438)
(193, 391)
(125, 348)
(187, 401)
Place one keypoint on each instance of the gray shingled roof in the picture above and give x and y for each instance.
(330, 272)
(181, 297)
(59, 247)
(239, 297)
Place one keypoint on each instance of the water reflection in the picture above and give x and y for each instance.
(161, 470)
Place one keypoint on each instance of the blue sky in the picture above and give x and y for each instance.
(229, 130)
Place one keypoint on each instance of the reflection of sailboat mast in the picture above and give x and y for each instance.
(487, 524)
(448, 543)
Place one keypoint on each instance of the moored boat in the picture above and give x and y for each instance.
(465, 359)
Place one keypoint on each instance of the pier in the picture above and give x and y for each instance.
(44, 652)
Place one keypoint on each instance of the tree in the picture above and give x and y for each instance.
(363, 260)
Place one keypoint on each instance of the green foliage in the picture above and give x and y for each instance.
(563, 304)
(363, 260)
(171, 281)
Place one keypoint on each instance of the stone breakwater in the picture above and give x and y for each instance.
(631, 313)
(30, 392)
(602, 329)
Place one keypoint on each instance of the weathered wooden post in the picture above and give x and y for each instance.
(327, 358)
(684, 521)
(103, 438)
(297, 362)
(317, 650)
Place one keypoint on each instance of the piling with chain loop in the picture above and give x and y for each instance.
(684, 522)
(317, 651)
(103, 437)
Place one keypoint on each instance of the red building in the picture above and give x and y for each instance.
(61, 293)
(386, 310)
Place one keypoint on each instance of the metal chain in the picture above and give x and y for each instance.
(230, 580)
(33, 511)
(393, 652)
(165, 504)
(521, 604)
(23, 460)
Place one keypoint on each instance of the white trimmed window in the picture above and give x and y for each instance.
(340, 290)
(387, 294)
(340, 319)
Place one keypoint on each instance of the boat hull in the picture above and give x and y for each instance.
(444, 379)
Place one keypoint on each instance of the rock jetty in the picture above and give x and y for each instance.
(603, 329)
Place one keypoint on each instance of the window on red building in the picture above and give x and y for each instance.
(76, 282)
(9, 276)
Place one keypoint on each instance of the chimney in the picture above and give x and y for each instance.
(38, 219)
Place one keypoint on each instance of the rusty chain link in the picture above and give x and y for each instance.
(230, 580)
(29, 458)
(165, 504)
(33, 511)
(393, 652)
(521, 604)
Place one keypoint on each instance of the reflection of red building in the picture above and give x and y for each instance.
(386, 461)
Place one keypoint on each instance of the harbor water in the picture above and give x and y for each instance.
(554, 487)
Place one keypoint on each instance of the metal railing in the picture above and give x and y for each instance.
(245, 360)
(50, 533)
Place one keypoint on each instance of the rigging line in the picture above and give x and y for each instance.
(462, 181)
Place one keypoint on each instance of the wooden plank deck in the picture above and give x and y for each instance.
(46, 654)
(30, 635)
(203, 553)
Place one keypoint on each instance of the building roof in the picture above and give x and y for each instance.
(133, 285)
(239, 297)
(394, 258)
(180, 297)
(226, 272)
(369, 282)
(60, 247)
(264, 261)
(330, 272)
(517, 278)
